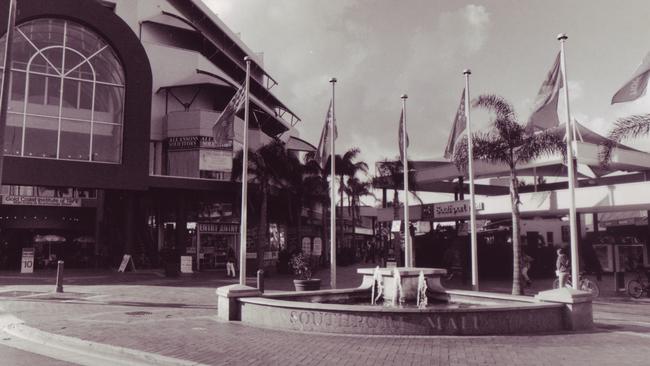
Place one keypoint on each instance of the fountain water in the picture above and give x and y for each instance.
(422, 291)
(377, 283)
(398, 294)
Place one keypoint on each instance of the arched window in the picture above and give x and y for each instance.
(67, 94)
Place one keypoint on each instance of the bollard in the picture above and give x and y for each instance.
(260, 280)
(59, 276)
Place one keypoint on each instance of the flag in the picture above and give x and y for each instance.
(323, 152)
(544, 114)
(634, 88)
(223, 129)
(402, 131)
(457, 129)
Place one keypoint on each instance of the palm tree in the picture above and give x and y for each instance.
(355, 190)
(266, 169)
(391, 173)
(625, 128)
(348, 167)
(508, 143)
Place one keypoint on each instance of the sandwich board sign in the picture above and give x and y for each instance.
(186, 264)
(27, 261)
(125, 262)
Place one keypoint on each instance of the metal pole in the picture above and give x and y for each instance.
(575, 270)
(408, 251)
(332, 193)
(6, 74)
(198, 247)
(59, 276)
(244, 182)
(472, 203)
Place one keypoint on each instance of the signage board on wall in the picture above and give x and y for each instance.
(215, 160)
(27, 261)
(454, 209)
(218, 228)
(194, 142)
(41, 201)
(126, 259)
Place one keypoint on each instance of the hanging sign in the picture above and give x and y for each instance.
(27, 261)
(41, 201)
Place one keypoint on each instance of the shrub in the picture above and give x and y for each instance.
(301, 266)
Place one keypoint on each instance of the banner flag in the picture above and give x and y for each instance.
(457, 129)
(401, 137)
(636, 87)
(544, 114)
(223, 130)
(323, 152)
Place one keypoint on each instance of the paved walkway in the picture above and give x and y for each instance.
(176, 318)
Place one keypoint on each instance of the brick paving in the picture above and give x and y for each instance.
(176, 318)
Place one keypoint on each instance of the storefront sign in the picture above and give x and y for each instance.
(186, 264)
(318, 247)
(218, 228)
(27, 261)
(396, 226)
(41, 201)
(215, 160)
(454, 209)
(194, 142)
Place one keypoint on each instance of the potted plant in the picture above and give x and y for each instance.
(302, 268)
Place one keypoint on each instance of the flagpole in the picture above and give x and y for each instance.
(4, 91)
(408, 251)
(472, 203)
(332, 193)
(244, 182)
(575, 270)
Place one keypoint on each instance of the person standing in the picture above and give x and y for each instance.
(230, 263)
(562, 267)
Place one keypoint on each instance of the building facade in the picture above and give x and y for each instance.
(108, 147)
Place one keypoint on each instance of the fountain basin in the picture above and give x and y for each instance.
(408, 279)
(345, 311)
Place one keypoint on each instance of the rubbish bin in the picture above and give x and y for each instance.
(619, 280)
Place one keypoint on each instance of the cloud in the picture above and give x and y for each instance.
(478, 20)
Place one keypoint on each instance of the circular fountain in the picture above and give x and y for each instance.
(406, 301)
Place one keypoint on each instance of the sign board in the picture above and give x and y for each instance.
(251, 255)
(395, 227)
(427, 212)
(218, 228)
(126, 259)
(179, 143)
(391, 263)
(318, 247)
(306, 245)
(215, 160)
(186, 264)
(41, 201)
(27, 261)
(454, 209)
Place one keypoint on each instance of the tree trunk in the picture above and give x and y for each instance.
(516, 248)
(262, 229)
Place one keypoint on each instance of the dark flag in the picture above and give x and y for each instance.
(544, 114)
(457, 129)
(223, 130)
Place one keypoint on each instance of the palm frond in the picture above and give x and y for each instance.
(624, 128)
(487, 147)
(539, 144)
(503, 109)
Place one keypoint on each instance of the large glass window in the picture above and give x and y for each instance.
(67, 94)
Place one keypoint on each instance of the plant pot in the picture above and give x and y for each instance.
(307, 285)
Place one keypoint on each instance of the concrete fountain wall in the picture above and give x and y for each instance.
(318, 311)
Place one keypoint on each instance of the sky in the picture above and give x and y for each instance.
(380, 49)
